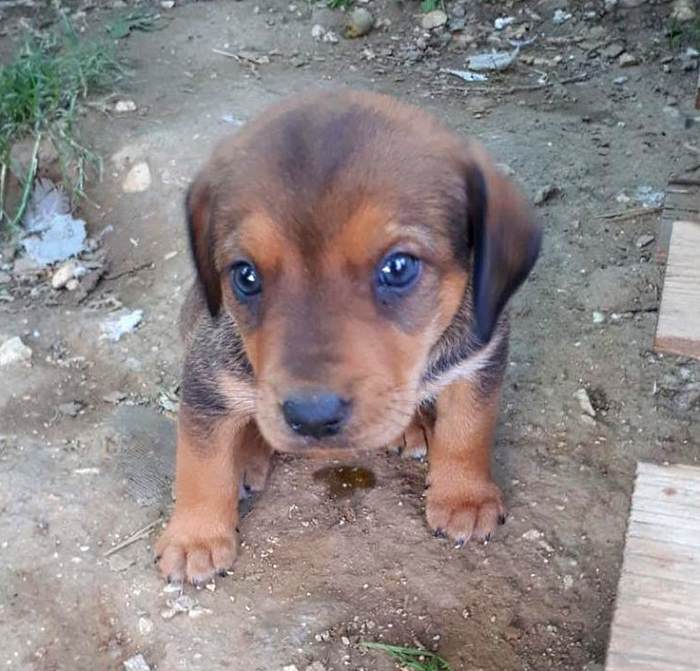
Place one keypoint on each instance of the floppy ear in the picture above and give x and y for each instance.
(200, 225)
(506, 239)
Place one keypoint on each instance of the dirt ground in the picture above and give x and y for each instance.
(317, 575)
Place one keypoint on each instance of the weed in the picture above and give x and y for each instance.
(683, 34)
(415, 659)
(39, 95)
(430, 5)
(142, 19)
(339, 4)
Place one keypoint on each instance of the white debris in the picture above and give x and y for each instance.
(466, 75)
(532, 535)
(502, 22)
(136, 663)
(122, 106)
(145, 626)
(560, 16)
(581, 395)
(53, 234)
(598, 317)
(496, 60)
(14, 351)
(137, 179)
(122, 322)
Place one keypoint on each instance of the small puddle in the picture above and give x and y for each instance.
(344, 481)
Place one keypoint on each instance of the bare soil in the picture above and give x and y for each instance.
(318, 574)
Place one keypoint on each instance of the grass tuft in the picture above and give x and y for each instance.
(414, 659)
(40, 91)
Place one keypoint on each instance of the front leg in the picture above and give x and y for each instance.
(462, 499)
(199, 540)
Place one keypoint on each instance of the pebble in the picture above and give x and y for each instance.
(598, 317)
(560, 17)
(167, 4)
(290, 667)
(66, 272)
(568, 581)
(434, 19)
(545, 193)
(502, 22)
(145, 626)
(683, 11)
(644, 240)
(136, 663)
(118, 563)
(613, 50)
(628, 60)
(360, 23)
(619, 81)
(70, 409)
(689, 59)
(14, 351)
(122, 106)
(137, 179)
(581, 395)
(532, 535)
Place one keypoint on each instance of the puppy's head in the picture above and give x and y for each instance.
(343, 233)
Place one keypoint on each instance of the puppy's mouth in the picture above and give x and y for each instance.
(326, 423)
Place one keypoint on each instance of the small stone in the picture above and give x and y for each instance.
(167, 4)
(501, 22)
(315, 666)
(70, 409)
(581, 395)
(360, 23)
(689, 59)
(683, 11)
(67, 271)
(345, 640)
(619, 81)
(613, 50)
(137, 179)
(532, 535)
(545, 193)
(568, 582)
(290, 667)
(588, 421)
(145, 626)
(14, 351)
(318, 31)
(136, 663)
(118, 563)
(434, 19)
(627, 60)
(330, 37)
(598, 317)
(644, 240)
(114, 397)
(122, 106)
(72, 285)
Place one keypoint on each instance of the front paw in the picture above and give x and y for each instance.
(466, 511)
(193, 548)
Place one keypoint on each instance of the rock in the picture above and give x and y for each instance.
(145, 626)
(689, 59)
(612, 50)
(330, 37)
(502, 22)
(545, 193)
(598, 317)
(496, 60)
(644, 240)
(532, 535)
(628, 60)
(434, 19)
(360, 22)
(167, 4)
(560, 17)
(14, 351)
(70, 409)
(66, 272)
(114, 397)
(620, 81)
(122, 106)
(683, 11)
(118, 563)
(581, 395)
(137, 179)
(136, 663)
(317, 31)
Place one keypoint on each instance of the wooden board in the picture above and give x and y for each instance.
(656, 626)
(678, 327)
(681, 203)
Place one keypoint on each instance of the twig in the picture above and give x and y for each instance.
(149, 265)
(228, 54)
(630, 214)
(136, 536)
(691, 147)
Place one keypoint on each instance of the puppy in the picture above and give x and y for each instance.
(354, 259)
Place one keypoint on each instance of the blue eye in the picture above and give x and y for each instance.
(398, 271)
(245, 280)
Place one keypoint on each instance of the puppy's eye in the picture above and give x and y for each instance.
(245, 280)
(398, 271)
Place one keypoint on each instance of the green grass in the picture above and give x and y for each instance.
(415, 659)
(430, 5)
(681, 35)
(339, 4)
(40, 93)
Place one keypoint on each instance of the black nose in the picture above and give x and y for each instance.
(316, 414)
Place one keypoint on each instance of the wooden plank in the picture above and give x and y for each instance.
(656, 625)
(682, 203)
(678, 327)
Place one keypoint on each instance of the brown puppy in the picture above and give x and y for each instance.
(354, 258)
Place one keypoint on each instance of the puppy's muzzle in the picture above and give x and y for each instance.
(317, 414)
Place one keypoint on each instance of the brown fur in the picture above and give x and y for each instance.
(316, 192)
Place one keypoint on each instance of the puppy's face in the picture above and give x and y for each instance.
(343, 234)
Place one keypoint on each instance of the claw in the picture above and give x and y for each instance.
(501, 519)
(439, 533)
(459, 544)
